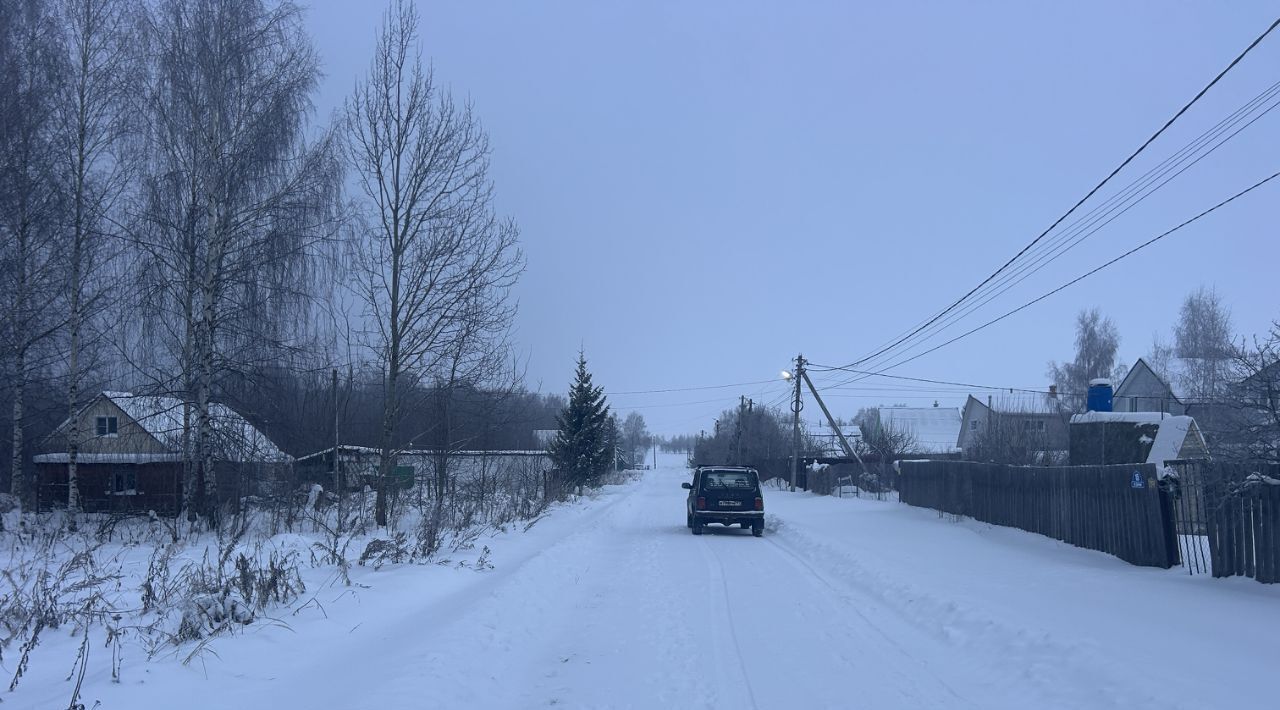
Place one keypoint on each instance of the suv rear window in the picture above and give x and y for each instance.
(728, 479)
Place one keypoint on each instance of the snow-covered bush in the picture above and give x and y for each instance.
(217, 594)
(383, 551)
(207, 614)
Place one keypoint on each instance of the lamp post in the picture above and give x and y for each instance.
(796, 405)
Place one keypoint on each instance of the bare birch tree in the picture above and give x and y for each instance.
(30, 203)
(635, 436)
(435, 263)
(1160, 358)
(234, 202)
(1249, 423)
(889, 440)
(1203, 344)
(92, 125)
(1097, 341)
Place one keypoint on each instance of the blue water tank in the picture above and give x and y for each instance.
(1099, 399)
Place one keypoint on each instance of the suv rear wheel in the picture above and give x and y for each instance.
(697, 527)
(758, 529)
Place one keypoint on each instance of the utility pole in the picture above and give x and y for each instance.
(844, 443)
(796, 405)
(737, 431)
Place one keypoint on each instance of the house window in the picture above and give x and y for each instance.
(974, 424)
(124, 482)
(107, 426)
(1033, 426)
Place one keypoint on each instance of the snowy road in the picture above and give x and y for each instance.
(611, 603)
(627, 609)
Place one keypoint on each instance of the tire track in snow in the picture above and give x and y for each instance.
(798, 562)
(813, 641)
(710, 554)
(1031, 659)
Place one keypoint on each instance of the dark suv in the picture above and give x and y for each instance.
(727, 495)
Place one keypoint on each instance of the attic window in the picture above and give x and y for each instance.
(1034, 425)
(975, 424)
(107, 426)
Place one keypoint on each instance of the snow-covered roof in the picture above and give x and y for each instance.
(1170, 436)
(88, 458)
(234, 438)
(1032, 403)
(829, 443)
(1131, 417)
(374, 451)
(935, 429)
(850, 431)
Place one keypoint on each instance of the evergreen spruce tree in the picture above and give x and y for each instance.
(582, 452)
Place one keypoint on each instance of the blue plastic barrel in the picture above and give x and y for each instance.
(1100, 393)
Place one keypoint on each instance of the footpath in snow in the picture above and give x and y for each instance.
(609, 602)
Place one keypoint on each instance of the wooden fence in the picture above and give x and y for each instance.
(1119, 510)
(1242, 512)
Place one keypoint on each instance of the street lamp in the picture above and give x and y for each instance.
(796, 405)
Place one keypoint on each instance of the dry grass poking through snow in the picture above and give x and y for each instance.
(169, 588)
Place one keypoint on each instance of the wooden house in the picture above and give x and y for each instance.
(130, 456)
(1028, 426)
(1143, 390)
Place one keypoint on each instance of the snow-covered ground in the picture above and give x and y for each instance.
(609, 602)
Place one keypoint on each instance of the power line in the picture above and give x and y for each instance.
(1085, 275)
(927, 380)
(720, 401)
(1081, 201)
(1089, 225)
(677, 404)
(691, 389)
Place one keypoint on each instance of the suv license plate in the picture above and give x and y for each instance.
(730, 503)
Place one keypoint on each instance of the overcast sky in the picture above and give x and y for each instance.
(705, 189)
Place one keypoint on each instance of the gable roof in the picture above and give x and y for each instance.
(1143, 365)
(234, 438)
(1264, 374)
(824, 435)
(1026, 403)
(935, 429)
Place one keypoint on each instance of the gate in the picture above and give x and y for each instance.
(1227, 517)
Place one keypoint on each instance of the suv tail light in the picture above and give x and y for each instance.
(759, 503)
(702, 503)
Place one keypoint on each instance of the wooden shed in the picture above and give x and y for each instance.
(1100, 438)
